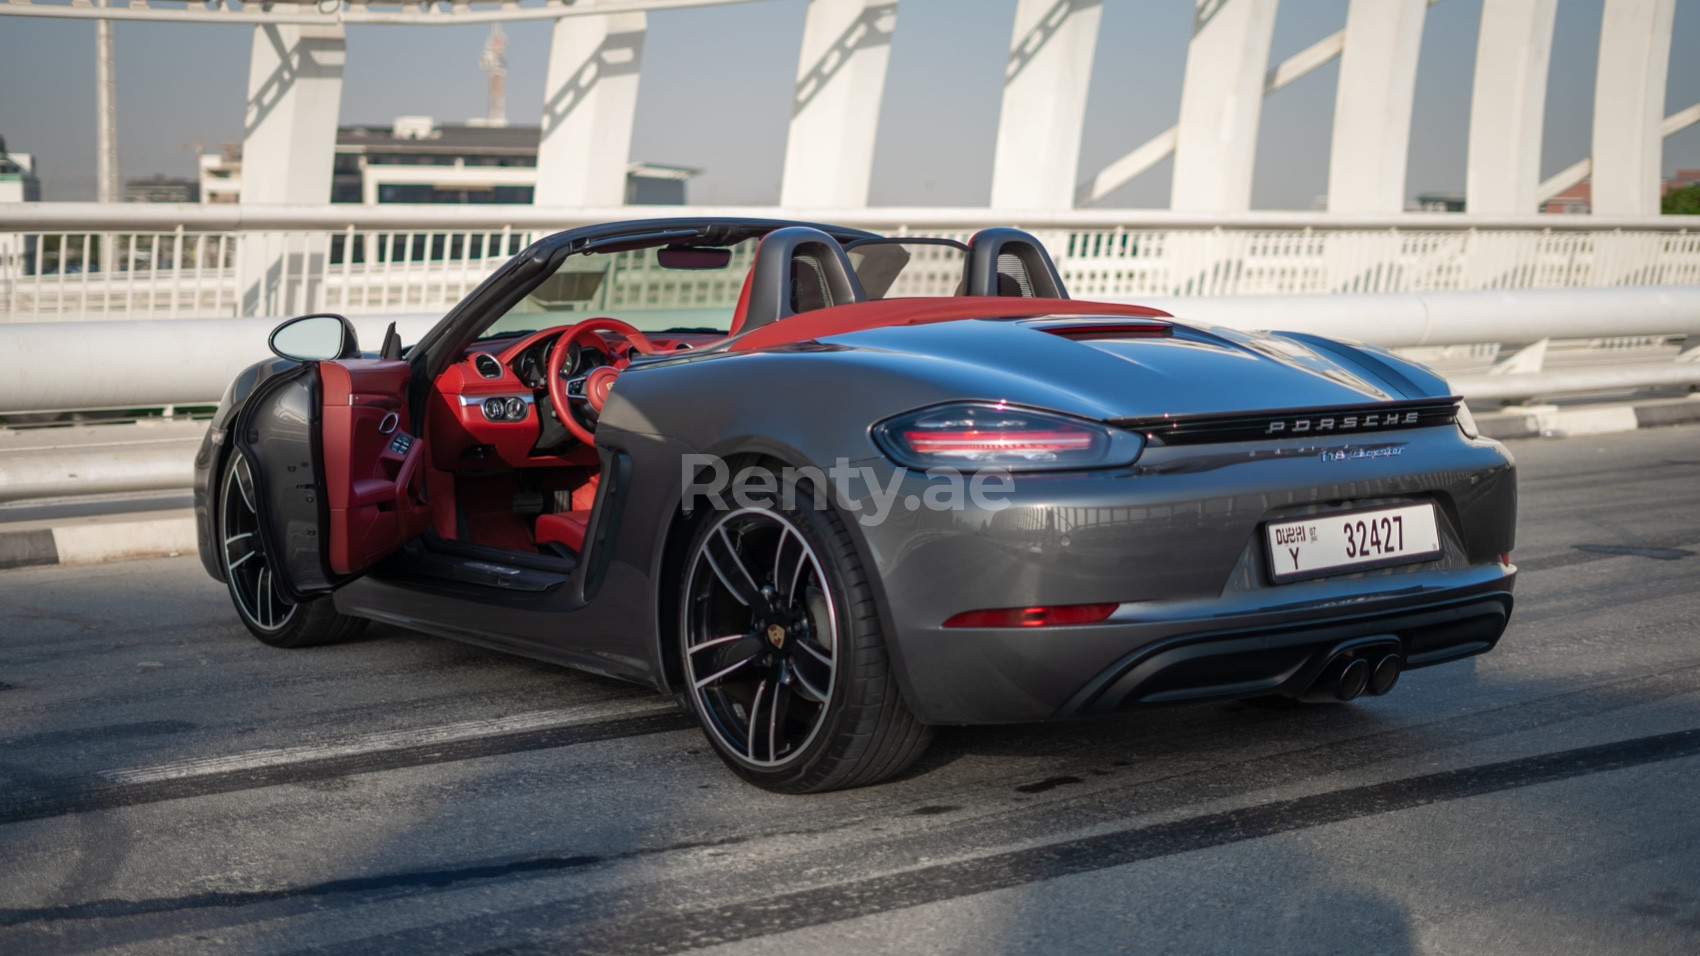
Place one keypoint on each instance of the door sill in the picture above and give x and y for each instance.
(486, 567)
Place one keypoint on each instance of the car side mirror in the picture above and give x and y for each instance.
(315, 338)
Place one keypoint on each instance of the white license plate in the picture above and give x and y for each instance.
(1323, 544)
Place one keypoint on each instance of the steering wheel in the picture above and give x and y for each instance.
(592, 387)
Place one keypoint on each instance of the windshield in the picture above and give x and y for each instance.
(634, 287)
(658, 292)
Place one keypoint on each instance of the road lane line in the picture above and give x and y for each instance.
(390, 740)
(370, 754)
(634, 924)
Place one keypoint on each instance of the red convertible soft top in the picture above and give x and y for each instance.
(858, 316)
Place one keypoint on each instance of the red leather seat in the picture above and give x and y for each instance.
(565, 527)
(742, 311)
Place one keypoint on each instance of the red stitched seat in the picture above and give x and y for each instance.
(566, 527)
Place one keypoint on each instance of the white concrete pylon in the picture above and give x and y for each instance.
(1221, 103)
(1629, 106)
(1044, 103)
(294, 97)
(288, 151)
(829, 155)
(1508, 107)
(589, 104)
(1372, 106)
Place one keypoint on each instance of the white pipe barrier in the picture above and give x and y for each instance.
(1485, 389)
(140, 364)
(56, 366)
(1411, 319)
(106, 469)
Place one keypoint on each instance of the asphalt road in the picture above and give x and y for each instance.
(169, 785)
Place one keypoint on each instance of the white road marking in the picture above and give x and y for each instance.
(391, 740)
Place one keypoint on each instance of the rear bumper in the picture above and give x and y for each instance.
(1177, 545)
(1287, 660)
(1149, 655)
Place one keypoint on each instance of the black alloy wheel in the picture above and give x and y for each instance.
(784, 654)
(252, 574)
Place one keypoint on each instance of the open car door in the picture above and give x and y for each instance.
(374, 482)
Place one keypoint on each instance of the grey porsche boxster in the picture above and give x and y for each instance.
(830, 489)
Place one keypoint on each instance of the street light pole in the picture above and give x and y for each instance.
(106, 134)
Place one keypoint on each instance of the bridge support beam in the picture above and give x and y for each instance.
(589, 103)
(1044, 103)
(1508, 107)
(1629, 106)
(1221, 103)
(288, 150)
(1372, 106)
(829, 155)
(294, 96)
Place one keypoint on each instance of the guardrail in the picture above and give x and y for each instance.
(148, 363)
(80, 261)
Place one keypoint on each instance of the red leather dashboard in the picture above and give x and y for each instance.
(463, 438)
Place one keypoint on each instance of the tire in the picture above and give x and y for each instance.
(777, 620)
(251, 575)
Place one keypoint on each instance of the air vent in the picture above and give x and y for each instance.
(1083, 332)
(487, 365)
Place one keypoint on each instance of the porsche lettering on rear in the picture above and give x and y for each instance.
(1340, 423)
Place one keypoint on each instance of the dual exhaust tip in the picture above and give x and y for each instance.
(1350, 676)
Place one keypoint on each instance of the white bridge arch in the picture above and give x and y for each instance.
(597, 52)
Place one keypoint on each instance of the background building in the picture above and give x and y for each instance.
(418, 160)
(18, 182)
(159, 188)
(1580, 197)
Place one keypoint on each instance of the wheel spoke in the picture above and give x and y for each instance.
(812, 686)
(816, 652)
(718, 642)
(776, 710)
(738, 559)
(796, 569)
(243, 479)
(263, 596)
(240, 561)
(729, 568)
(755, 721)
(722, 669)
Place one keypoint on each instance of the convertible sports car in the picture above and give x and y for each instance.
(743, 462)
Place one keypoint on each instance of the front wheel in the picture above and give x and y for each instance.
(251, 573)
(784, 654)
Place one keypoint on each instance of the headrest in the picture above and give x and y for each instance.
(797, 269)
(1009, 262)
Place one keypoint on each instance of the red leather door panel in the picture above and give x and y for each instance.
(374, 481)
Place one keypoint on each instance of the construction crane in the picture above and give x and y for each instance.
(494, 61)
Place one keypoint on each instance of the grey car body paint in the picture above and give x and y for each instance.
(1173, 539)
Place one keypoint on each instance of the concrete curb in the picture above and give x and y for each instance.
(95, 542)
(1552, 421)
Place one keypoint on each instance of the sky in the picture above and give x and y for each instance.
(717, 82)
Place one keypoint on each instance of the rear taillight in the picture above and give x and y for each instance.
(1053, 616)
(974, 435)
(1466, 421)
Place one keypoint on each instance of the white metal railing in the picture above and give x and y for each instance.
(74, 261)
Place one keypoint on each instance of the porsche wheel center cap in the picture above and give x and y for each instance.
(776, 635)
